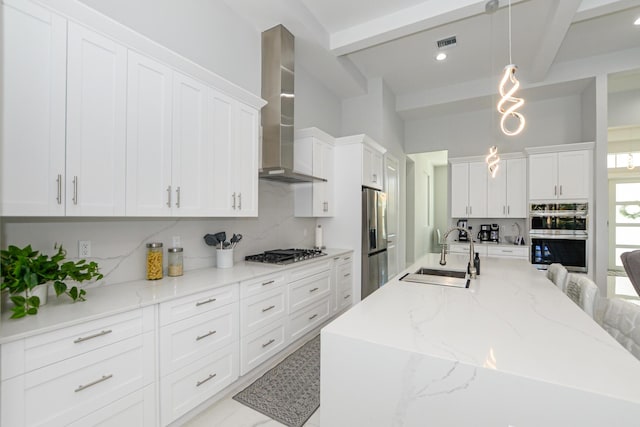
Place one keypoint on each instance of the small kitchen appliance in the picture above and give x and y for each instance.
(494, 233)
(463, 236)
(484, 235)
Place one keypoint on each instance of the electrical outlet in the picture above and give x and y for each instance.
(84, 248)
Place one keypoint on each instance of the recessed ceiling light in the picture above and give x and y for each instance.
(441, 56)
(637, 22)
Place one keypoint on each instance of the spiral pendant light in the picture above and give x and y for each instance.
(493, 161)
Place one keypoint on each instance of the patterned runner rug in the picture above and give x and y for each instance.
(290, 392)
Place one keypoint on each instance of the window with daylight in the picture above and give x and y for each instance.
(624, 229)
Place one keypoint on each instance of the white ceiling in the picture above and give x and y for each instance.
(345, 42)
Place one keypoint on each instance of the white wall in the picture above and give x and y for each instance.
(315, 105)
(624, 108)
(207, 32)
(549, 122)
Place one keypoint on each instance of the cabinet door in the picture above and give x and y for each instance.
(191, 160)
(459, 190)
(149, 90)
(96, 116)
(377, 169)
(323, 168)
(497, 192)
(33, 115)
(367, 166)
(392, 188)
(516, 192)
(221, 114)
(245, 160)
(573, 174)
(543, 176)
(478, 190)
(327, 159)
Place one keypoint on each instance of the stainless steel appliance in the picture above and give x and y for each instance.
(374, 241)
(494, 233)
(484, 235)
(558, 232)
(463, 236)
(285, 256)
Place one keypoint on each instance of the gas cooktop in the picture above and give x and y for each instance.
(285, 256)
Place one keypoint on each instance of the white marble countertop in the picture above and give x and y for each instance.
(109, 299)
(511, 320)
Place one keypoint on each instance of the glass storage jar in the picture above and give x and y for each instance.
(175, 261)
(154, 261)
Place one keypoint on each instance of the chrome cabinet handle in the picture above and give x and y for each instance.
(375, 177)
(268, 283)
(506, 251)
(59, 182)
(347, 275)
(268, 343)
(348, 296)
(99, 334)
(92, 383)
(347, 258)
(268, 308)
(561, 189)
(75, 190)
(178, 197)
(169, 195)
(504, 211)
(234, 201)
(205, 302)
(313, 317)
(555, 190)
(208, 334)
(239, 201)
(199, 383)
(470, 210)
(508, 210)
(313, 290)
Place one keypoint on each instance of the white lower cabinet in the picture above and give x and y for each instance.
(260, 345)
(308, 318)
(135, 409)
(499, 251)
(344, 280)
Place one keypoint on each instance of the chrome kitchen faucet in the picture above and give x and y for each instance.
(443, 252)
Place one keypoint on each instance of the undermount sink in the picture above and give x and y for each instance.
(439, 277)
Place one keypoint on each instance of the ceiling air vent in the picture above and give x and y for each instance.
(446, 42)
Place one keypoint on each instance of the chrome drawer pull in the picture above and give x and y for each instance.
(268, 283)
(504, 250)
(169, 196)
(198, 338)
(336, 258)
(348, 296)
(59, 182)
(347, 258)
(268, 308)
(99, 334)
(205, 302)
(268, 343)
(313, 290)
(178, 197)
(199, 383)
(92, 383)
(347, 275)
(313, 317)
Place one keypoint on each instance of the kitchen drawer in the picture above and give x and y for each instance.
(344, 259)
(463, 248)
(345, 278)
(308, 290)
(76, 387)
(186, 388)
(509, 251)
(182, 308)
(45, 349)
(308, 318)
(309, 270)
(261, 309)
(262, 344)
(183, 342)
(136, 409)
(344, 298)
(262, 284)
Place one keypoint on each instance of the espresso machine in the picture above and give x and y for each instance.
(463, 236)
(484, 235)
(494, 233)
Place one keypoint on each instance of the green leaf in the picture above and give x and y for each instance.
(18, 312)
(59, 287)
(32, 310)
(18, 300)
(73, 293)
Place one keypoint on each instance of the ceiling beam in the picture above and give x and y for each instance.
(558, 22)
(426, 15)
(593, 8)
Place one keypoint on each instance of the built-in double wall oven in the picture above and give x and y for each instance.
(559, 234)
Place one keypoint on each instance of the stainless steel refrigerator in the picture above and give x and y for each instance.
(374, 240)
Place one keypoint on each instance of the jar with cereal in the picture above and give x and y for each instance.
(175, 261)
(154, 261)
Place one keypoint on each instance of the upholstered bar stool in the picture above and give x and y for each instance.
(622, 321)
(581, 290)
(631, 263)
(557, 273)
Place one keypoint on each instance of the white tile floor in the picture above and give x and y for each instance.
(229, 413)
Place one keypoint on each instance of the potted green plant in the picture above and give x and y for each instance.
(22, 270)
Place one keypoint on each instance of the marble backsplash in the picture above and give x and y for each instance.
(118, 245)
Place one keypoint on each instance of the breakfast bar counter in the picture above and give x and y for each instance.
(511, 350)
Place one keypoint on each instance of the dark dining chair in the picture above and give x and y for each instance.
(631, 263)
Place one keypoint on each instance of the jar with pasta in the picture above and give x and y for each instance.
(154, 261)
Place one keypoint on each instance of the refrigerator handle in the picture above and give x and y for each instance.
(372, 238)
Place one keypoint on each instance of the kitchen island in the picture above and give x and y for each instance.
(511, 350)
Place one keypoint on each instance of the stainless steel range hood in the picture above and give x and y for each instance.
(277, 115)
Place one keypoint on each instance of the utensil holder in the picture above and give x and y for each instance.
(224, 258)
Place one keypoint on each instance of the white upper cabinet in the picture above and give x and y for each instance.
(32, 173)
(313, 155)
(149, 104)
(96, 117)
(560, 175)
(222, 123)
(244, 166)
(469, 190)
(507, 191)
(372, 169)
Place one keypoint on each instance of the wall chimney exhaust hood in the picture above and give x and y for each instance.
(277, 115)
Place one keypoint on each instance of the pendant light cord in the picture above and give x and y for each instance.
(510, 60)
